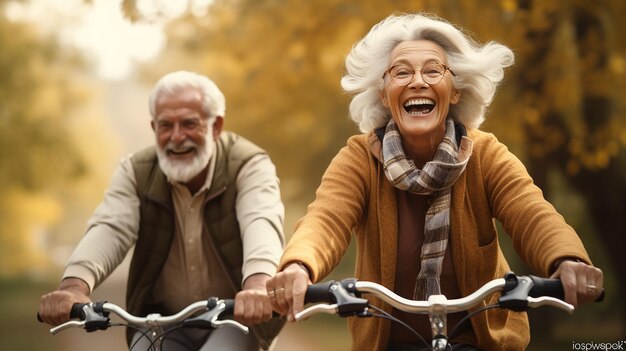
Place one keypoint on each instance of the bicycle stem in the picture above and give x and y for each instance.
(438, 316)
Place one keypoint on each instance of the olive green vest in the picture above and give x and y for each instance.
(156, 224)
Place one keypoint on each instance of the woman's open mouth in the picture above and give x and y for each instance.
(419, 107)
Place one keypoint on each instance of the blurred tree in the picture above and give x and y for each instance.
(35, 150)
(571, 83)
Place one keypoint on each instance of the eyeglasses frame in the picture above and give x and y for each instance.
(419, 69)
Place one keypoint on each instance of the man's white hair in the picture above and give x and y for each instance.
(478, 68)
(213, 101)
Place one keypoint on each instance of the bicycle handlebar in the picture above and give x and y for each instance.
(94, 316)
(518, 294)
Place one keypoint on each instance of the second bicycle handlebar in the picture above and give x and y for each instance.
(94, 316)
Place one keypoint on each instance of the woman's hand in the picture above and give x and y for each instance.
(582, 283)
(55, 307)
(286, 290)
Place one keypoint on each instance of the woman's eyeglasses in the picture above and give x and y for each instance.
(432, 73)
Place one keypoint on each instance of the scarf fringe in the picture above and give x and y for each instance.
(425, 287)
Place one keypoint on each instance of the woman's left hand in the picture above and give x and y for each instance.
(582, 283)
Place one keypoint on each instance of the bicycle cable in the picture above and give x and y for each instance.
(144, 334)
(387, 315)
(468, 316)
(163, 335)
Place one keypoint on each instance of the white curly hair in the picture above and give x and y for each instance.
(478, 68)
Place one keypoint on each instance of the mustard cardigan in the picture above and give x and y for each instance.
(355, 197)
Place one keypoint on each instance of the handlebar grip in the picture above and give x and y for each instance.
(229, 305)
(546, 287)
(75, 313)
(319, 292)
(552, 287)
(229, 308)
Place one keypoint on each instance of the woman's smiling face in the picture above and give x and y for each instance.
(419, 109)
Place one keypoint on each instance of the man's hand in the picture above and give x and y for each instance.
(582, 283)
(251, 304)
(54, 307)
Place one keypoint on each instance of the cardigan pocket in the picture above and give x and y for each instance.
(487, 234)
(488, 261)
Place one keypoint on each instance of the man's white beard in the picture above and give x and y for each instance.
(184, 171)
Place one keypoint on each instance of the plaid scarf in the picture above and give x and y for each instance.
(435, 179)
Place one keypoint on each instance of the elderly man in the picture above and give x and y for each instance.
(202, 209)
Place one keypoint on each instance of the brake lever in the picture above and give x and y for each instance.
(315, 309)
(216, 323)
(69, 324)
(550, 301)
(210, 318)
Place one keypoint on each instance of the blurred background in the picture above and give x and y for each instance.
(74, 82)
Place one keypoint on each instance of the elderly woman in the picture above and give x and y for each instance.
(420, 190)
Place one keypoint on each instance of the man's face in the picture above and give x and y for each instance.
(184, 134)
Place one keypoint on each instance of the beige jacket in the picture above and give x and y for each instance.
(355, 196)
